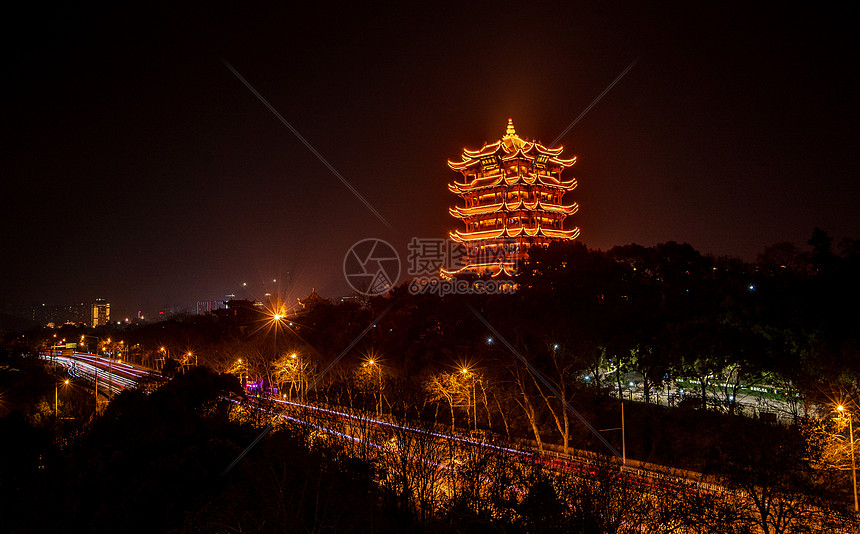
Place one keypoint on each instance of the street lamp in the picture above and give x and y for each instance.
(853, 464)
(371, 362)
(623, 438)
(56, 397)
(296, 374)
(473, 400)
(241, 373)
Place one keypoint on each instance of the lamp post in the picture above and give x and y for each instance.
(241, 373)
(297, 372)
(853, 464)
(473, 400)
(371, 362)
(187, 361)
(623, 437)
(56, 398)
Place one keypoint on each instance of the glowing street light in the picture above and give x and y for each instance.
(297, 374)
(241, 372)
(56, 397)
(371, 362)
(853, 464)
(164, 355)
(473, 399)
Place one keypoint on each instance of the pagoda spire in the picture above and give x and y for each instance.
(510, 131)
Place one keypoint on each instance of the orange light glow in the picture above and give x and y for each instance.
(512, 190)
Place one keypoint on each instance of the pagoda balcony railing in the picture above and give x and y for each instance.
(488, 174)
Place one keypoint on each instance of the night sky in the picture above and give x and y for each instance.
(138, 168)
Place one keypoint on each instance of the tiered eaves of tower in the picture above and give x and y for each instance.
(513, 194)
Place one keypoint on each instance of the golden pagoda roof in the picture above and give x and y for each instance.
(517, 231)
(511, 146)
(507, 268)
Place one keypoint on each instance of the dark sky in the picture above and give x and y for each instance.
(138, 168)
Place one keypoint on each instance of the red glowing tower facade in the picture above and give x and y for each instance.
(512, 193)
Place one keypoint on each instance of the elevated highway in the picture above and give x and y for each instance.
(107, 375)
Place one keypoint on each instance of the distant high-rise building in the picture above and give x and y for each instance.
(101, 312)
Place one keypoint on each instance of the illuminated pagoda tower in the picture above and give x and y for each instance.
(512, 190)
